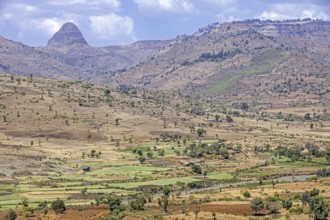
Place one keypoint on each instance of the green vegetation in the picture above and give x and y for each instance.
(58, 206)
(261, 64)
(257, 204)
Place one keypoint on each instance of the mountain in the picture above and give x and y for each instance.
(264, 62)
(267, 63)
(69, 56)
(68, 35)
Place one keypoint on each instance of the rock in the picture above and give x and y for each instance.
(68, 35)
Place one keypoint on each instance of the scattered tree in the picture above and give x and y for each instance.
(58, 206)
(256, 205)
(319, 208)
(196, 210)
(138, 202)
(142, 159)
(246, 194)
(11, 215)
(287, 204)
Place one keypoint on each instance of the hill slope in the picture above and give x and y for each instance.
(252, 60)
(68, 56)
(267, 63)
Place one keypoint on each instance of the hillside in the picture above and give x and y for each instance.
(133, 141)
(259, 61)
(267, 63)
(69, 56)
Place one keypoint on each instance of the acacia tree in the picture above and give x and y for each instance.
(138, 202)
(200, 132)
(58, 206)
(256, 205)
(319, 208)
(196, 210)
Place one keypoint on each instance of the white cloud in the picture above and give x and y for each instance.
(291, 11)
(50, 25)
(222, 2)
(112, 3)
(271, 15)
(166, 5)
(7, 15)
(112, 26)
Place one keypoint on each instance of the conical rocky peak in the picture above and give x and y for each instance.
(68, 35)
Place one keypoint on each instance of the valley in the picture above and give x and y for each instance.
(133, 141)
(231, 122)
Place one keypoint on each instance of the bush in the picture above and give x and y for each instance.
(323, 172)
(247, 194)
(115, 203)
(11, 215)
(274, 207)
(58, 206)
(256, 204)
(138, 202)
(287, 204)
(197, 169)
(298, 210)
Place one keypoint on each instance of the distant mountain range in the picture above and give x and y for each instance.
(68, 56)
(265, 62)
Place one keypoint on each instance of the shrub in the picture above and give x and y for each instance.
(58, 206)
(138, 202)
(11, 215)
(256, 204)
(287, 204)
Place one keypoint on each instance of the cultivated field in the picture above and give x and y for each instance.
(84, 143)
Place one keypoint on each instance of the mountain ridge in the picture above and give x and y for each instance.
(262, 57)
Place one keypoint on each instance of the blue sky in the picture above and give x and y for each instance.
(113, 22)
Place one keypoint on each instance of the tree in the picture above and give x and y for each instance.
(273, 207)
(306, 196)
(214, 215)
(107, 92)
(161, 152)
(307, 116)
(287, 204)
(319, 208)
(229, 119)
(25, 202)
(224, 153)
(196, 210)
(196, 169)
(84, 191)
(11, 215)
(200, 132)
(244, 106)
(115, 203)
(246, 194)
(166, 190)
(256, 204)
(138, 202)
(58, 206)
(142, 159)
(327, 154)
(150, 154)
(164, 202)
(165, 136)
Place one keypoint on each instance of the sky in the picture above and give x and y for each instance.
(120, 22)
